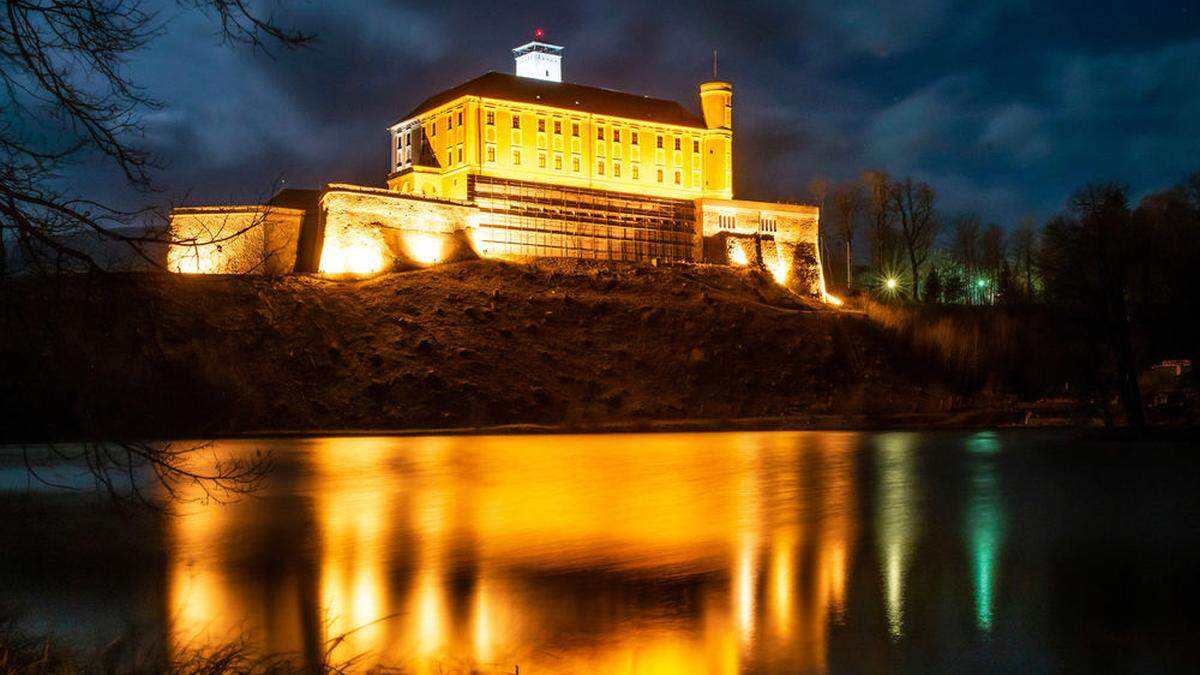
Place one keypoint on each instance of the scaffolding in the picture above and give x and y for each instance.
(524, 219)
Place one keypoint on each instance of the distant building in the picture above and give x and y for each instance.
(525, 166)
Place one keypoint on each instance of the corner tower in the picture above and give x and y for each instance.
(716, 102)
(716, 105)
(539, 60)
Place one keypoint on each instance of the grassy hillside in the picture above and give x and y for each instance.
(468, 344)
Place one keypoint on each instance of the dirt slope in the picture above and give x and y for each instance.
(468, 344)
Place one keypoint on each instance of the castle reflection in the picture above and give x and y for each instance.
(634, 553)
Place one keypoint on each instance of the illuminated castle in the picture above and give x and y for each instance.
(524, 166)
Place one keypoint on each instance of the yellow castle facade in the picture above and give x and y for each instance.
(564, 135)
(524, 166)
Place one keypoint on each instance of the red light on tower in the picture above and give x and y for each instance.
(539, 33)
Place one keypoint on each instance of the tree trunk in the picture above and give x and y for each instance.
(849, 265)
(1130, 391)
(1028, 279)
(916, 278)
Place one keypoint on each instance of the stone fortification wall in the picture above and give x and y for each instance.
(234, 239)
(780, 237)
(361, 230)
(368, 229)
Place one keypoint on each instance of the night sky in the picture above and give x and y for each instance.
(1004, 107)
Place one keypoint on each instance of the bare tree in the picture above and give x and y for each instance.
(993, 253)
(882, 217)
(913, 203)
(964, 245)
(818, 191)
(848, 203)
(1024, 244)
(69, 97)
(1089, 266)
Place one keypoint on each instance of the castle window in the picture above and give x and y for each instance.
(516, 157)
(433, 128)
(616, 135)
(678, 177)
(575, 163)
(633, 138)
(600, 168)
(660, 142)
(490, 117)
(695, 145)
(542, 125)
(449, 122)
(459, 151)
(660, 175)
(558, 162)
(575, 129)
(616, 169)
(678, 142)
(491, 153)
(399, 142)
(557, 127)
(599, 133)
(460, 118)
(634, 171)
(516, 120)
(449, 156)
(541, 160)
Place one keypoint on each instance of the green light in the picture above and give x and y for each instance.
(891, 284)
(981, 282)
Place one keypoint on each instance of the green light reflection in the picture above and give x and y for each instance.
(985, 523)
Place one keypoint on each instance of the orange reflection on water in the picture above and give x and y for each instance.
(667, 553)
(351, 501)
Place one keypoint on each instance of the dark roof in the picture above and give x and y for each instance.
(296, 198)
(567, 96)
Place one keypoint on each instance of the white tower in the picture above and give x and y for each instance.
(539, 60)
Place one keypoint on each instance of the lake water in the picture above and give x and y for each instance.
(647, 553)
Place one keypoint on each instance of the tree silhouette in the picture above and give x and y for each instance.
(913, 204)
(68, 97)
(1088, 263)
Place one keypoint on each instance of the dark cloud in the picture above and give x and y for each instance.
(1005, 106)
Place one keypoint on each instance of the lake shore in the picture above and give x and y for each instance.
(554, 346)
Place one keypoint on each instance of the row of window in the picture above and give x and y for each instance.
(576, 165)
(615, 134)
(449, 123)
(728, 221)
(404, 140)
